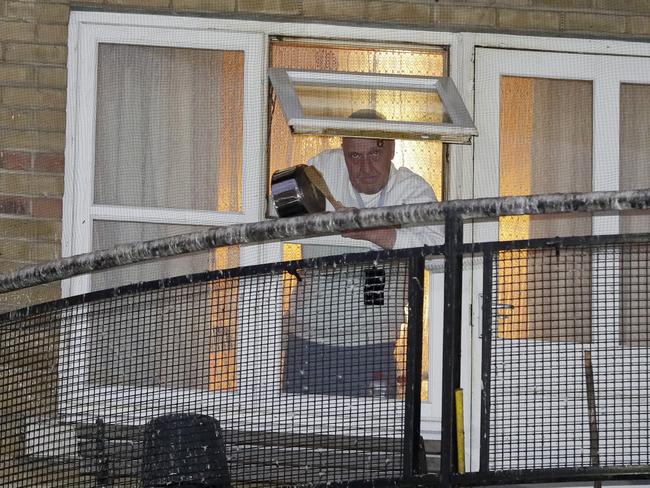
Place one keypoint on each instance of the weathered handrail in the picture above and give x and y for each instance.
(321, 225)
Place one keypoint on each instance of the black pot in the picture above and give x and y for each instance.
(184, 450)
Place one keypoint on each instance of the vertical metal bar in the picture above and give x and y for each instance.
(102, 474)
(413, 366)
(451, 342)
(594, 449)
(486, 357)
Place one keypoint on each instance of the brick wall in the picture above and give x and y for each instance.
(33, 40)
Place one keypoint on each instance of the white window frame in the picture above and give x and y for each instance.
(80, 212)
(461, 46)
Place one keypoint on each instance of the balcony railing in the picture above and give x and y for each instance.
(312, 367)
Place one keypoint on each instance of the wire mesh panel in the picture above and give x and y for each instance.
(293, 367)
(570, 383)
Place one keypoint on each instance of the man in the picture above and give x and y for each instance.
(343, 322)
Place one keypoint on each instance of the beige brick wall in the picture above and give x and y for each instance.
(33, 50)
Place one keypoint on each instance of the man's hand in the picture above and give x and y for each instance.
(384, 238)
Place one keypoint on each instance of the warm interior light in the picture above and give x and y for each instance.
(423, 157)
(515, 149)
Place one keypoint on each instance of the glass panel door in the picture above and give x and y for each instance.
(559, 122)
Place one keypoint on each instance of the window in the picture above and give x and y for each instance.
(152, 107)
(156, 148)
(339, 61)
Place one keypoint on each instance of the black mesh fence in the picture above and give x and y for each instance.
(282, 374)
(569, 342)
(308, 372)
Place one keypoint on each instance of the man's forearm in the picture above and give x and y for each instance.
(384, 238)
(418, 236)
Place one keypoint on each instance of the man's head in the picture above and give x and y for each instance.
(368, 160)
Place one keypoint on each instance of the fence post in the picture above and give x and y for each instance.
(413, 366)
(486, 356)
(453, 250)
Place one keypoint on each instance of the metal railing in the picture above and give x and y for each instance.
(564, 350)
(289, 358)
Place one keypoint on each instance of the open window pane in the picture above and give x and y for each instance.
(317, 102)
(396, 105)
(169, 127)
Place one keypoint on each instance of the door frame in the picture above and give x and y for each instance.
(607, 73)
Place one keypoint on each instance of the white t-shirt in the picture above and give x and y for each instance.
(328, 304)
(403, 187)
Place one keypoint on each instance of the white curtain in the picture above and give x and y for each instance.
(168, 135)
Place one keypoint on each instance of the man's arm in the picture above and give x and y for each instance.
(384, 238)
(413, 189)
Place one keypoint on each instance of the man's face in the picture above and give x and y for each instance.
(368, 162)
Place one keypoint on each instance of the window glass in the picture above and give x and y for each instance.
(169, 127)
(207, 315)
(634, 175)
(545, 147)
(107, 234)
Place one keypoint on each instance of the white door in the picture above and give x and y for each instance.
(560, 122)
